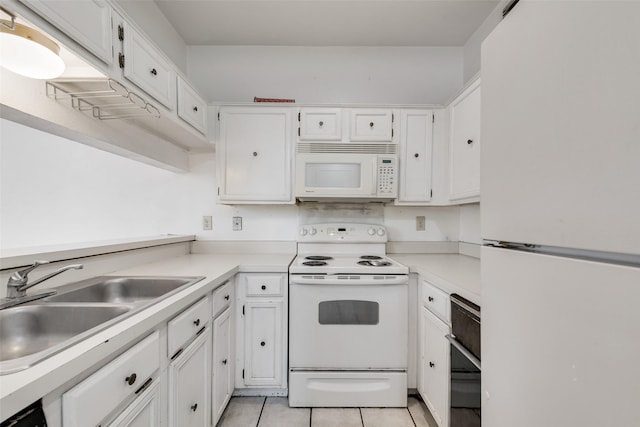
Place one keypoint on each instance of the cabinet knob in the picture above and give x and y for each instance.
(371, 124)
(195, 109)
(194, 407)
(131, 379)
(255, 154)
(224, 362)
(416, 155)
(154, 71)
(431, 364)
(263, 287)
(321, 123)
(469, 141)
(262, 343)
(196, 322)
(430, 299)
(226, 297)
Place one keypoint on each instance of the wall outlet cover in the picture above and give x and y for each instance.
(207, 222)
(420, 223)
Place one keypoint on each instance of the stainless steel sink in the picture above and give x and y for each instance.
(121, 289)
(34, 331)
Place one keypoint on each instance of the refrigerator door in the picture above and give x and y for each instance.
(560, 160)
(560, 341)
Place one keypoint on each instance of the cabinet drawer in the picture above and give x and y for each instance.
(323, 124)
(187, 324)
(222, 298)
(191, 108)
(89, 402)
(144, 66)
(261, 285)
(371, 125)
(436, 301)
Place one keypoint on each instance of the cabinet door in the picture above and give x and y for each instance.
(263, 344)
(416, 144)
(255, 155)
(371, 125)
(435, 367)
(191, 107)
(320, 124)
(143, 412)
(190, 384)
(464, 178)
(88, 22)
(145, 66)
(222, 363)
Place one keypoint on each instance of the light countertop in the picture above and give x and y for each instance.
(452, 273)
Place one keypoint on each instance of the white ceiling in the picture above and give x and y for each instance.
(326, 22)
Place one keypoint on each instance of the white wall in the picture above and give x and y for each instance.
(471, 62)
(53, 190)
(367, 75)
(470, 223)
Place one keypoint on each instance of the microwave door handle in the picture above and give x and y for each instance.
(374, 190)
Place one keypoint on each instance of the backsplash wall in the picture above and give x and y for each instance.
(55, 191)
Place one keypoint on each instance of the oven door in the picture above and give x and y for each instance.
(358, 325)
(335, 175)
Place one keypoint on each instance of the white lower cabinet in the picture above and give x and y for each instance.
(144, 411)
(189, 384)
(434, 373)
(222, 363)
(261, 357)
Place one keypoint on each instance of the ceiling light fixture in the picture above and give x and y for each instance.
(28, 52)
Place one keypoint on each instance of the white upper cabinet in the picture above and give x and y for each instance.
(416, 142)
(191, 107)
(464, 167)
(320, 124)
(146, 67)
(88, 22)
(375, 125)
(255, 155)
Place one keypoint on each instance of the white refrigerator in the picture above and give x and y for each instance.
(560, 216)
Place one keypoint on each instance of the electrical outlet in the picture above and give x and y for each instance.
(207, 222)
(237, 223)
(420, 223)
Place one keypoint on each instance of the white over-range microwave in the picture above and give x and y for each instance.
(349, 172)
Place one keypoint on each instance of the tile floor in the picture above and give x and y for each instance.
(275, 412)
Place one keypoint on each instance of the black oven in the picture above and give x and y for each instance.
(465, 391)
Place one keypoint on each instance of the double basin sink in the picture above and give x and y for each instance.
(34, 331)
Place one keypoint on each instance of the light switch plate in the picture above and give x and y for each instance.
(207, 222)
(237, 223)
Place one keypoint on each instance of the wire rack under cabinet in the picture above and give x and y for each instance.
(106, 99)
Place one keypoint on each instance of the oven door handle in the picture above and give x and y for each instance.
(331, 280)
(464, 351)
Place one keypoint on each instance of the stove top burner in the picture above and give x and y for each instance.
(370, 257)
(318, 257)
(374, 263)
(314, 263)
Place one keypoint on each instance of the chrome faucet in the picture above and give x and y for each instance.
(19, 282)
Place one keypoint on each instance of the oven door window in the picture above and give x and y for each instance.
(348, 312)
(333, 175)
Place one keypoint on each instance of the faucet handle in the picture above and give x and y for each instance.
(21, 275)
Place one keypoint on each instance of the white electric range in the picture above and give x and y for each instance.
(348, 321)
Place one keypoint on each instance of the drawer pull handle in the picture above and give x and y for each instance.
(154, 71)
(371, 125)
(226, 297)
(431, 364)
(131, 379)
(194, 407)
(195, 109)
(262, 343)
(430, 299)
(263, 287)
(196, 322)
(224, 362)
(469, 141)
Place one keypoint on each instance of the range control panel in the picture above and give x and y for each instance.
(342, 232)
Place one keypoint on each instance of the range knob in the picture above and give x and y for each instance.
(313, 231)
(381, 231)
(303, 231)
(371, 231)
